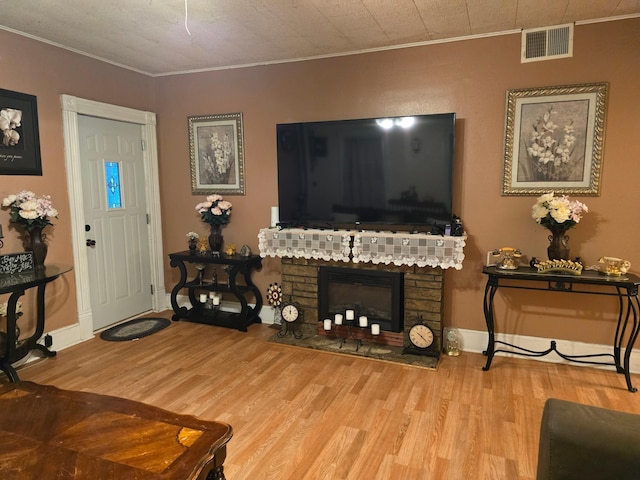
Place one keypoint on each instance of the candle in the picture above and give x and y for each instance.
(327, 324)
(350, 314)
(362, 321)
(338, 319)
(375, 329)
(212, 295)
(203, 297)
(216, 300)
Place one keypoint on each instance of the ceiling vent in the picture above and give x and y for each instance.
(547, 43)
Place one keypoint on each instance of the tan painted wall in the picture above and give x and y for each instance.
(468, 77)
(47, 72)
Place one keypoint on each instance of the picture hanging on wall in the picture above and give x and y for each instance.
(20, 144)
(216, 149)
(554, 138)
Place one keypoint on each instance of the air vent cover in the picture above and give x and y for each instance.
(547, 43)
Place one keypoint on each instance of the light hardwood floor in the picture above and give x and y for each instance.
(303, 414)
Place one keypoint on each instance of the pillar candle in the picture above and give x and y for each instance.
(216, 300)
(363, 321)
(338, 319)
(375, 329)
(203, 297)
(275, 216)
(327, 324)
(350, 314)
(212, 295)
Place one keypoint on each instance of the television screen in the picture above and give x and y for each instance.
(368, 172)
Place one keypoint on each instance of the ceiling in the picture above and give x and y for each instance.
(161, 37)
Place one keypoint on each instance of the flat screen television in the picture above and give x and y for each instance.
(367, 173)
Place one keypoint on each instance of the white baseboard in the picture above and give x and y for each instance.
(472, 340)
(476, 341)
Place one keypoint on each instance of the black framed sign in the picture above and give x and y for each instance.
(19, 136)
(13, 263)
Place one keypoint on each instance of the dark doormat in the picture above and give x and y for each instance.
(388, 353)
(134, 329)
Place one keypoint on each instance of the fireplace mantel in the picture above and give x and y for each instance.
(397, 248)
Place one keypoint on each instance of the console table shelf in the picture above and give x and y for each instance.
(236, 265)
(625, 288)
(13, 349)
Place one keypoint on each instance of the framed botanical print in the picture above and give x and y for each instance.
(554, 139)
(216, 150)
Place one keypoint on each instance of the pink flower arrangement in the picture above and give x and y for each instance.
(215, 210)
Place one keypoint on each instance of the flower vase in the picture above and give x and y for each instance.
(558, 248)
(193, 245)
(37, 247)
(215, 238)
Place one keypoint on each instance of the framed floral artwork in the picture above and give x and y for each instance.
(20, 138)
(554, 138)
(216, 150)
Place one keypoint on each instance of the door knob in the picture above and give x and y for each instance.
(91, 243)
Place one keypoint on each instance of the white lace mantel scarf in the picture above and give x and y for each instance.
(376, 247)
(419, 249)
(306, 243)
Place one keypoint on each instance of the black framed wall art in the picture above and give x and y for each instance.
(20, 143)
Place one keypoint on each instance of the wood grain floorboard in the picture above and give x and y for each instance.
(304, 414)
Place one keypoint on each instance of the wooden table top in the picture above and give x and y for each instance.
(50, 433)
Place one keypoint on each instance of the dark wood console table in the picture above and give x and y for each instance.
(625, 288)
(13, 349)
(235, 265)
(48, 433)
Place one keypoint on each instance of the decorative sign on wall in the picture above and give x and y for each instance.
(13, 263)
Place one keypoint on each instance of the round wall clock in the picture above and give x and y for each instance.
(290, 312)
(422, 340)
(421, 336)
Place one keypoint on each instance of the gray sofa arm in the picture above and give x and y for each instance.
(581, 442)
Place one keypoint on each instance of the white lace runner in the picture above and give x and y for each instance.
(419, 249)
(306, 243)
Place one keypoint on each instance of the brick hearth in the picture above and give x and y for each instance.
(423, 287)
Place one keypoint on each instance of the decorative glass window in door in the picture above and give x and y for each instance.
(112, 176)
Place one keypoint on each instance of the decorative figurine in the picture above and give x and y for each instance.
(203, 245)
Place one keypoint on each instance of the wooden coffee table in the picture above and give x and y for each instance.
(46, 432)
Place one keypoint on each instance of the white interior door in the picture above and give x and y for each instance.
(115, 213)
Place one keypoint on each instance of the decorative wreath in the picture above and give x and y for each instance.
(274, 294)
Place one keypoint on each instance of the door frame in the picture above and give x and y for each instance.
(71, 108)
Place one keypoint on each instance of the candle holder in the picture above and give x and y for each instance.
(350, 324)
(200, 267)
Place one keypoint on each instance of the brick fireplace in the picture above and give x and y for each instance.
(421, 295)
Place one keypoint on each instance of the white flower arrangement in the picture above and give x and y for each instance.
(30, 211)
(557, 213)
(193, 236)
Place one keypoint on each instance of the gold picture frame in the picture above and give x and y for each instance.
(554, 139)
(216, 150)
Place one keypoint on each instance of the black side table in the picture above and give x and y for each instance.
(235, 265)
(624, 287)
(17, 284)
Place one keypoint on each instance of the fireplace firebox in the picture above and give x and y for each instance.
(376, 294)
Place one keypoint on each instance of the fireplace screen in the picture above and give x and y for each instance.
(375, 294)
